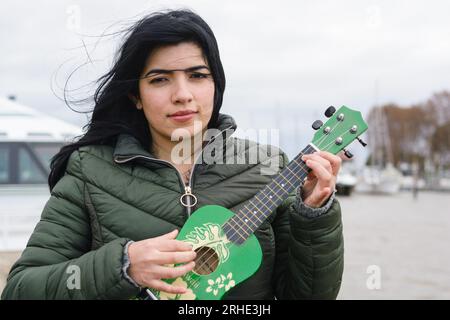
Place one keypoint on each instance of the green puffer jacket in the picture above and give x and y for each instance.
(109, 196)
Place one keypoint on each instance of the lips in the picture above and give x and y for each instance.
(183, 115)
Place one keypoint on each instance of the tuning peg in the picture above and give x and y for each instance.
(330, 111)
(317, 124)
(348, 154)
(362, 142)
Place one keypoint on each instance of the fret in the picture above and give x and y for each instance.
(281, 186)
(254, 215)
(255, 208)
(245, 227)
(233, 234)
(246, 219)
(260, 201)
(295, 174)
(276, 189)
(294, 180)
(259, 212)
(288, 182)
(273, 192)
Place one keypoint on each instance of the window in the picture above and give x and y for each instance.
(4, 164)
(45, 152)
(29, 171)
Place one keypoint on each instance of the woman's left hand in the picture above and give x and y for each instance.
(321, 181)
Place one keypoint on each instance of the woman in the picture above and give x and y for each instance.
(109, 229)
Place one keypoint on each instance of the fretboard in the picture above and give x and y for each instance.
(255, 211)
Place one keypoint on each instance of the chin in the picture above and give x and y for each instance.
(185, 131)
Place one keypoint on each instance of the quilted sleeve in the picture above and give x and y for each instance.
(309, 252)
(58, 262)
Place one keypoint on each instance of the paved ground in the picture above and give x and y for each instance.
(406, 241)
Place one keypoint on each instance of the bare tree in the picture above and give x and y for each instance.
(411, 133)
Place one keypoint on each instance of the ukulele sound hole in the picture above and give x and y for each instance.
(206, 261)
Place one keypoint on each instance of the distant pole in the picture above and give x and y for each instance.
(415, 172)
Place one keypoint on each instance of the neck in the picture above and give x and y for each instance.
(163, 149)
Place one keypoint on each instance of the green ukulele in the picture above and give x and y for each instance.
(227, 250)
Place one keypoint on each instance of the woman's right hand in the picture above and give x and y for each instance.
(149, 259)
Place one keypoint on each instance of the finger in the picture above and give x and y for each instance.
(176, 257)
(173, 272)
(322, 160)
(322, 174)
(311, 176)
(318, 197)
(171, 235)
(343, 156)
(165, 287)
(174, 245)
(334, 160)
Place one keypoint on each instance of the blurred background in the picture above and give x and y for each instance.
(285, 63)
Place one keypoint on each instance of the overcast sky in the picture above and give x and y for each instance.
(297, 56)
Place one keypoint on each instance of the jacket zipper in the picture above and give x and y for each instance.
(187, 187)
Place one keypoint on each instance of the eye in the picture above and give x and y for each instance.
(158, 80)
(198, 75)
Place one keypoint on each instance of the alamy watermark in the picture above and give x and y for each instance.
(73, 22)
(374, 17)
(373, 282)
(216, 147)
(73, 282)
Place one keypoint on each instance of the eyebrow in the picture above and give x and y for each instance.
(190, 69)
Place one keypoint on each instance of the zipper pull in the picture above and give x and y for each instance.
(188, 193)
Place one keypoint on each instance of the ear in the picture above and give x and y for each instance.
(136, 101)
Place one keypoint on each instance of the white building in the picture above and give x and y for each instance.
(28, 140)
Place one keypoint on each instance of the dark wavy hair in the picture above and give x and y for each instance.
(114, 112)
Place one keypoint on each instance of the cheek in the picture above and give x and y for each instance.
(152, 97)
(206, 96)
(154, 103)
(155, 108)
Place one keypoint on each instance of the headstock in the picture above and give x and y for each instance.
(342, 128)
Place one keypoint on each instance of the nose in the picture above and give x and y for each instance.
(182, 94)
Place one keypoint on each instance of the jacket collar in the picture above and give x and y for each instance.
(127, 146)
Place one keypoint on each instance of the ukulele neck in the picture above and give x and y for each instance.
(256, 210)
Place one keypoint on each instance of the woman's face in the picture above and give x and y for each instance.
(176, 89)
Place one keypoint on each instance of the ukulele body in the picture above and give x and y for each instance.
(220, 264)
